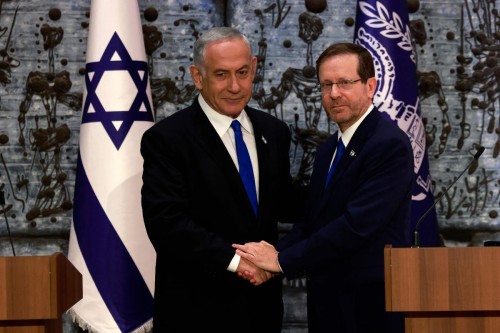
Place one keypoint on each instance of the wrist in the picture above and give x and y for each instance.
(278, 263)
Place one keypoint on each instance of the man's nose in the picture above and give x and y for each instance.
(233, 84)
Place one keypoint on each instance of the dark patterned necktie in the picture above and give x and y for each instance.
(338, 156)
(245, 164)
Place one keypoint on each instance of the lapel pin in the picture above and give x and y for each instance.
(352, 153)
(264, 140)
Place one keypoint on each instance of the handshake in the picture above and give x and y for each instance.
(258, 263)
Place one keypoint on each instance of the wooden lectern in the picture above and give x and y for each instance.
(35, 291)
(444, 289)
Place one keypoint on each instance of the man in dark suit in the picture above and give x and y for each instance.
(351, 216)
(195, 204)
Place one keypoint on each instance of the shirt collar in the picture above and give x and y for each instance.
(221, 122)
(347, 135)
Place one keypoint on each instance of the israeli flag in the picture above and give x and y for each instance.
(108, 241)
(382, 27)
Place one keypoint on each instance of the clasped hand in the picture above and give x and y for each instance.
(259, 261)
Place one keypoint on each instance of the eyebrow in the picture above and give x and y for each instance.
(229, 70)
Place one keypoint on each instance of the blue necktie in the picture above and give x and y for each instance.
(246, 170)
(338, 156)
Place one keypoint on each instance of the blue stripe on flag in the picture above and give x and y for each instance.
(114, 272)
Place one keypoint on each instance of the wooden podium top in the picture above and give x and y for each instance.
(442, 279)
(37, 287)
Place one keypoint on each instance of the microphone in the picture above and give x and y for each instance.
(416, 238)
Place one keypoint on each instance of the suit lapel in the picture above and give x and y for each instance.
(355, 146)
(358, 140)
(208, 138)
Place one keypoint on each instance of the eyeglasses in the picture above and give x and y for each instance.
(326, 87)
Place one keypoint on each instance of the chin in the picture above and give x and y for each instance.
(232, 110)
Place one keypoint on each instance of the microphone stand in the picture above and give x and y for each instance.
(416, 237)
(2, 203)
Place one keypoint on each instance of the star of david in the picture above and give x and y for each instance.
(117, 123)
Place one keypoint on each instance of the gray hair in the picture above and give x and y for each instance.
(214, 35)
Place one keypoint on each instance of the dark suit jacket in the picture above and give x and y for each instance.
(339, 245)
(195, 207)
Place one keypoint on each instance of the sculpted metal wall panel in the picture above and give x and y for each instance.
(42, 60)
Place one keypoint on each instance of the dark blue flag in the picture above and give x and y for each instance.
(382, 27)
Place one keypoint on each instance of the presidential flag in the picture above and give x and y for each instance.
(382, 27)
(108, 241)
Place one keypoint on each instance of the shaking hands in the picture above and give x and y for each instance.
(259, 262)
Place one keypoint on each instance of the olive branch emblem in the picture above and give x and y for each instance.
(390, 27)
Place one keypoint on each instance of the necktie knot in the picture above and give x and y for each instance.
(236, 126)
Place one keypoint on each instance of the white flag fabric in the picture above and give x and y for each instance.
(108, 241)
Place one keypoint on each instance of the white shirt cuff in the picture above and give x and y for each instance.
(233, 265)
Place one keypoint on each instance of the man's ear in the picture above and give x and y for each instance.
(254, 65)
(372, 86)
(196, 76)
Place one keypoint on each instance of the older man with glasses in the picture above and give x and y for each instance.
(359, 201)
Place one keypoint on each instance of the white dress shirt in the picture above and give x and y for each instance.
(222, 125)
